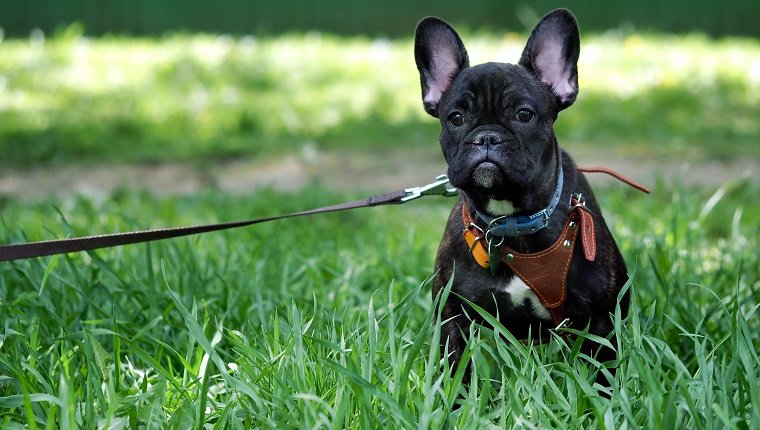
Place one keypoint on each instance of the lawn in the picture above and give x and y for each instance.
(195, 97)
(327, 321)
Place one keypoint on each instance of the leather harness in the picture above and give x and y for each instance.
(544, 272)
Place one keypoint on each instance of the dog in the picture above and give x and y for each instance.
(526, 240)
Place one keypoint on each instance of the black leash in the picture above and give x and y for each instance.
(44, 248)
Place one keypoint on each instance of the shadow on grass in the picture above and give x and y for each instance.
(716, 122)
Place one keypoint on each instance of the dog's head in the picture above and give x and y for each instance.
(496, 118)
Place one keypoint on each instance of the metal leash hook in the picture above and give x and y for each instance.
(441, 187)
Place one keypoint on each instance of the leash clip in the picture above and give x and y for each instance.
(441, 187)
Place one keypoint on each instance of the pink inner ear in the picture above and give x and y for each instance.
(550, 65)
(562, 87)
(443, 67)
(433, 95)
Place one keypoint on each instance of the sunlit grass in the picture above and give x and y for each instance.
(327, 322)
(72, 98)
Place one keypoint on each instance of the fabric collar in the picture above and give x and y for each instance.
(514, 226)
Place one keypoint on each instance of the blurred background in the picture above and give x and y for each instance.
(390, 18)
(179, 95)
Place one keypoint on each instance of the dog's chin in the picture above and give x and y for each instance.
(489, 185)
(487, 176)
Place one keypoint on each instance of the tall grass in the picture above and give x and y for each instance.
(327, 322)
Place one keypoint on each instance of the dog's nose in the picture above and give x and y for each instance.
(487, 137)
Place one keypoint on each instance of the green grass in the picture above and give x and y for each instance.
(195, 97)
(326, 322)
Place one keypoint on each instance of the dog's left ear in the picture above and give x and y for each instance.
(551, 54)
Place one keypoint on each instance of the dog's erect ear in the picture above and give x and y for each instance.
(440, 56)
(551, 54)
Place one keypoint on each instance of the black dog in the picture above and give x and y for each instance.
(526, 240)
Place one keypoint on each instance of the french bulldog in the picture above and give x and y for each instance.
(498, 140)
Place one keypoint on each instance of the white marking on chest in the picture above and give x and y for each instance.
(518, 292)
(500, 207)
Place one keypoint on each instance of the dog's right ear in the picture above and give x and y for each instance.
(440, 56)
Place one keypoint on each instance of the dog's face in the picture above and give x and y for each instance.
(497, 119)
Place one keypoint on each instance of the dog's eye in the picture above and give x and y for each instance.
(524, 115)
(455, 119)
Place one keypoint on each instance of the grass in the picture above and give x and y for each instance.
(326, 322)
(75, 99)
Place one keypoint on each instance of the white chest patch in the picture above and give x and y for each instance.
(518, 292)
(500, 207)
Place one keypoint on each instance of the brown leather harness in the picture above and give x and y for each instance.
(545, 272)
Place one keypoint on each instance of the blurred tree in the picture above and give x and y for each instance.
(387, 18)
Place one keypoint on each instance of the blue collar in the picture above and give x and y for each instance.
(514, 226)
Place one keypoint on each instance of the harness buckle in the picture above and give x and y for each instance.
(576, 200)
(562, 324)
(475, 226)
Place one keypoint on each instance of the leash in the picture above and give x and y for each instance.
(44, 248)
(622, 178)
(441, 187)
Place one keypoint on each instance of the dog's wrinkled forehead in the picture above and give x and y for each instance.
(494, 86)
